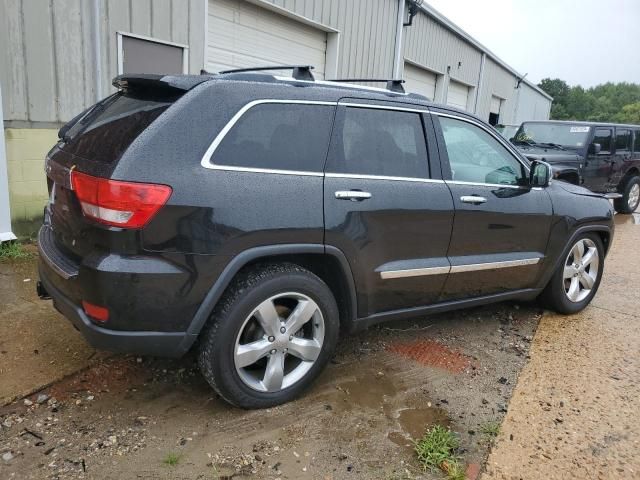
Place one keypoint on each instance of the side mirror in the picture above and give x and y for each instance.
(540, 174)
(595, 148)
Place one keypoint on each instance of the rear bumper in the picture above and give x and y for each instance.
(165, 344)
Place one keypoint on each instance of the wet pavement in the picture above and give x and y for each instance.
(130, 417)
(575, 413)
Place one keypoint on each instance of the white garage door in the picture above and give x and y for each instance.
(457, 95)
(241, 34)
(419, 80)
(495, 105)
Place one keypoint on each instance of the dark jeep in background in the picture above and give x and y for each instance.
(254, 217)
(603, 157)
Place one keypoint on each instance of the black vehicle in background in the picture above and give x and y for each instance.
(255, 217)
(507, 131)
(603, 157)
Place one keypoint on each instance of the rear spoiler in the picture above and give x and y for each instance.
(144, 81)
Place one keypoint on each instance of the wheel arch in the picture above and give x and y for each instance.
(603, 231)
(328, 263)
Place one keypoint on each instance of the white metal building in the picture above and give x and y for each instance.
(58, 57)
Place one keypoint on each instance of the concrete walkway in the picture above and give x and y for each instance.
(575, 412)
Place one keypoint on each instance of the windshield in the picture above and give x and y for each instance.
(550, 134)
(507, 131)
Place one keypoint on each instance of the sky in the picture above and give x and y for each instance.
(584, 42)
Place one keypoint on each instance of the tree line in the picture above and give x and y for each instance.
(608, 102)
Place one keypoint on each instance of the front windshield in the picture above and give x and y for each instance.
(507, 131)
(550, 134)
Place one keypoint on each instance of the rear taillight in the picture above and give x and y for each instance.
(117, 203)
(96, 312)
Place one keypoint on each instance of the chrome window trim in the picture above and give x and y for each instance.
(382, 177)
(479, 184)
(206, 158)
(471, 267)
(374, 106)
(495, 135)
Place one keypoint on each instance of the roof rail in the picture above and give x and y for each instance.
(300, 72)
(393, 85)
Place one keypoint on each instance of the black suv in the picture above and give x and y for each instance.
(603, 157)
(255, 216)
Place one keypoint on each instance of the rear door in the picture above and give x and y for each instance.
(597, 166)
(386, 206)
(622, 154)
(501, 227)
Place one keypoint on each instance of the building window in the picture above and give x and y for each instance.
(139, 54)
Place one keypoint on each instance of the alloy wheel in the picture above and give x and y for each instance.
(279, 342)
(634, 196)
(581, 270)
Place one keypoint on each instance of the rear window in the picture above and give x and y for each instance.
(381, 143)
(278, 136)
(108, 129)
(623, 140)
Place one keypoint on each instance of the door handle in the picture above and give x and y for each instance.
(474, 199)
(353, 195)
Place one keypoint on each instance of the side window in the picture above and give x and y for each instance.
(380, 142)
(623, 140)
(636, 144)
(603, 137)
(475, 156)
(278, 136)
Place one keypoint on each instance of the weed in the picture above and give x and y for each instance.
(13, 251)
(171, 459)
(490, 429)
(436, 450)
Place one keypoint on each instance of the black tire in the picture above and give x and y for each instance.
(218, 339)
(622, 204)
(554, 296)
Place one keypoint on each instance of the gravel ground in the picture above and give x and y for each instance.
(575, 412)
(127, 417)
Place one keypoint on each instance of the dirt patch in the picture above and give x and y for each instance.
(114, 375)
(433, 354)
(156, 418)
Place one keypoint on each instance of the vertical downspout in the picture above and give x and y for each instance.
(5, 211)
(480, 82)
(97, 48)
(398, 57)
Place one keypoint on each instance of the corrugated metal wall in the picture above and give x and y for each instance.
(367, 31)
(48, 76)
(429, 44)
(46, 49)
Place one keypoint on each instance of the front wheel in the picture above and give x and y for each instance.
(630, 196)
(270, 336)
(576, 281)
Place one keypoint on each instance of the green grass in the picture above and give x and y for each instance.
(490, 429)
(13, 251)
(171, 459)
(436, 450)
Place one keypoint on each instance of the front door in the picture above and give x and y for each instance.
(386, 206)
(597, 166)
(501, 225)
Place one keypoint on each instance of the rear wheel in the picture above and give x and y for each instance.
(577, 279)
(630, 196)
(270, 336)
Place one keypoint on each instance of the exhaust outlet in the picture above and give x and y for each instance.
(42, 292)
